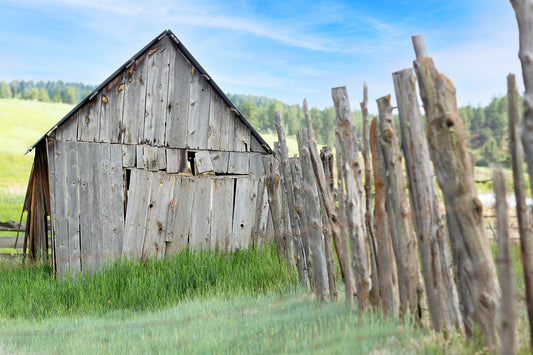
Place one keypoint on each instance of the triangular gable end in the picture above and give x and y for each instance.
(161, 97)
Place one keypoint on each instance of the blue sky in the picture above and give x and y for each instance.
(288, 49)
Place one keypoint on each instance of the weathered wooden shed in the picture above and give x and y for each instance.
(155, 159)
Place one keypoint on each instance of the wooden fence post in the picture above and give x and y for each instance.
(441, 292)
(275, 203)
(522, 211)
(402, 236)
(475, 272)
(506, 309)
(312, 201)
(354, 192)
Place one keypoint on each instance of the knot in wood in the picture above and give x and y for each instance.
(387, 134)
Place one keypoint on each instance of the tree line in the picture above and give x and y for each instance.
(50, 91)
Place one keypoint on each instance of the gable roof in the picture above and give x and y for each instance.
(132, 60)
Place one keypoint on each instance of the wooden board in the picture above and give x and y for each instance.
(89, 120)
(221, 215)
(72, 214)
(150, 158)
(239, 163)
(256, 164)
(158, 208)
(231, 130)
(177, 161)
(114, 198)
(139, 159)
(178, 99)
(243, 212)
(200, 224)
(89, 211)
(68, 131)
(128, 155)
(60, 203)
(157, 93)
(261, 213)
(111, 110)
(180, 214)
(220, 162)
(200, 100)
(50, 150)
(134, 101)
(217, 135)
(136, 212)
(255, 145)
(241, 140)
(202, 162)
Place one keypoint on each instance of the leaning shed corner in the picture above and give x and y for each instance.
(156, 159)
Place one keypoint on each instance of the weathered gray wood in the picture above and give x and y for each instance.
(178, 99)
(134, 101)
(157, 93)
(239, 163)
(180, 214)
(354, 194)
(403, 239)
(60, 208)
(385, 260)
(326, 155)
(220, 161)
(230, 129)
(261, 213)
(474, 268)
(328, 249)
(129, 154)
(275, 203)
(158, 209)
(218, 116)
(150, 158)
(177, 161)
(72, 208)
(200, 100)
(316, 239)
(506, 310)
(255, 145)
(139, 159)
(419, 45)
(161, 159)
(288, 194)
(200, 223)
(244, 212)
(111, 110)
(88, 217)
(256, 164)
(89, 120)
(369, 201)
(202, 162)
(522, 210)
(241, 142)
(136, 212)
(51, 181)
(441, 292)
(221, 213)
(68, 131)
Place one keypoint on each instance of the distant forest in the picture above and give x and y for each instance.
(50, 91)
(486, 126)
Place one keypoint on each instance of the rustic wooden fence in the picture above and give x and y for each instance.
(11, 242)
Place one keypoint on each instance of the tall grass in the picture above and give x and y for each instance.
(31, 292)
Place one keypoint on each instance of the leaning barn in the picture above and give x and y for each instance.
(155, 159)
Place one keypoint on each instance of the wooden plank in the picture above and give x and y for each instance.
(242, 136)
(128, 155)
(60, 204)
(89, 120)
(178, 99)
(220, 162)
(239, 163)
(180, 214)
(158, 209)
(111, 110)
(157, 93)
(200, 100)
(150, 158)
(202, 161)
(231, 130)
(217, 136)
(256, 165)
(136, 212)
(200, 224)
(243, 212)
(261, 213)
(68, 131)
(177, 161)
(134, 101)
(114, 232)
(139, 159)
(72, 208)
(89, 216)
(255, 145)
(51, 181)
(221, 215)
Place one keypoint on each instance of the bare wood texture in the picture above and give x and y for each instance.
(326, 155)
(136, 212)
(89, 120)
(241, 140)
(384, 258)
(60, 208)
(288, 191)
(220, 162)
(243, 212)
(522, 210)
(217, 135)
(238, 163)
(150, 158)
(111, 111)
(200, 100)
(354, 194)
(68, 131)
(221, 214)
(441, 291)
(402, 236)
(177, 161)
(316, 239)
(506, 309)
(157, 93)
(128, 155)
(180, 214)
(202, 162)
(73, 216)
(134, 101)
(200, 224)
(179, 85)
(475, 272)
(273, 183)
